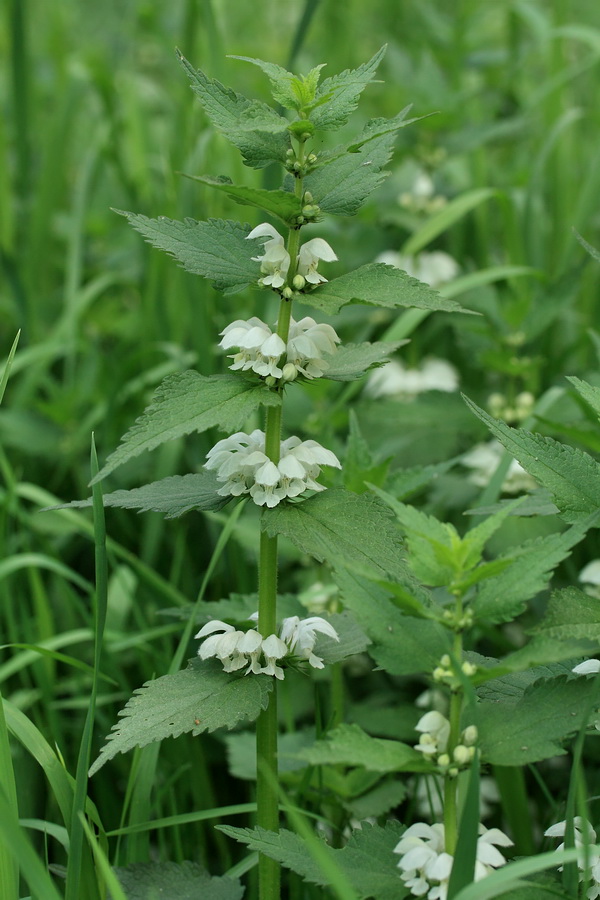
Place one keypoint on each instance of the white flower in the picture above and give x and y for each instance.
(426, 866)
(275, 262)
(394, 379)
(587, 667)
(308, 258)
(307, 342)
(300, 635)
(590, 578)
(241, 463)
(225, 646)
(484, 459)
(273, 648)
(435, 731)
(434, 268)
(587, 862)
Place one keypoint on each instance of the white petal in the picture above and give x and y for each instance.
(587, 667)
(213, 626)
(264, 230)
(318, 249)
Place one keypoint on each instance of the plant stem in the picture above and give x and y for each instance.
(450, 782)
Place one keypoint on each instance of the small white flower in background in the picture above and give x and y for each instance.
(241, 463)
(433, 268)
(426, 867)
(236, 649)
(308, 259)
(319, 597)
(300, 635)
(275, 262)
(435, 731)
(590, 578)
(591, 871)
(307, 343)
(484, 459)
(394, 380)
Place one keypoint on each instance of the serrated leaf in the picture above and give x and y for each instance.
(387, 795)
(367, 860)
(342, 93)
(188, 402)
(352, 639)
(571, 476)
(595, 254)
(402, 645)
(341, 528)
(259, 133)
(377, 284)
(292, 91)
(282, 204)
(176, 881)
(341, 186)
(216, 249)
(200, 698)
(172, 496)
(570, 613)
(404, 482)
(543, 650)
(509, 689)
(349, 745)
(589, 392)
(503, 597)
(352, 361)
(537, 724)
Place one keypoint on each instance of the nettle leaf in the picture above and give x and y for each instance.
(216, 249)
(342, 93)
(341, 528)
(172, 496)
(292, 91)
(361, 467)
(503, 596)
(571, 476)
(352, 361)
(200, 698)
(377, 284)
(259, 133)
(367, 861)
(176, 881)
(404, 482)
(535, 726)
(402, 644)
(589, 392)
(341, 186)
(509, 689)
(570, 613)
(282, 204)
(352, 639)
(541, 651)
(188, 402)
(349, 745)
(385, 796)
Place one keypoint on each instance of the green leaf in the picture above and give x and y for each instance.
(534, 727)
(571, 476)
(570, 613)
(282, 204)
(440, 222)
(173, 496)
(589, 392)
(216, 249)
(342, 528)
(200, 698)
(189, 402)
(404, 482)
(291, 91)
(360, 465)
(352, 639)
(176, 881)
(352, 361)
(503, 597)
(541, 651)
(259, 133)
(367, 860)
(383, 798)
(349, 745)
(377, 284)
(342, 93)
(402, 645)
(342, 185)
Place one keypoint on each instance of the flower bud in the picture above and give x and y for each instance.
(468, 669)
(470, 735)
(308, 197)
(270, 380)
(290, 372)
(288, 293)
(445, 660)
(311, 158)
(299, 281)
(461, 755)
(443, 760)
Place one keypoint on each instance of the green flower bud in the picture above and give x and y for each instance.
(443, 760)
(289, 372)
(470, 735)
(461, 755)
(302, 129)
(299, 282)
(288, 293)
(270, 380)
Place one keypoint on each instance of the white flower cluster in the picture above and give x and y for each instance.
(426, 866)
(260, 350)
(241, 463)
(588, 862)
(236, 649)
(434, 268)
(394, 380)
(275, 262)
(484, 459)
(434, 730)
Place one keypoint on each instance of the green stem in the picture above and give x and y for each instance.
(450, 782)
